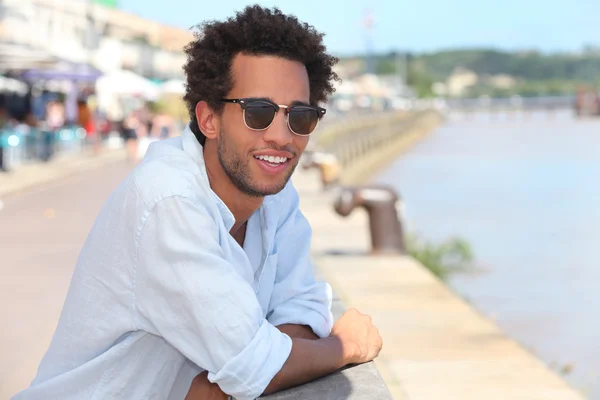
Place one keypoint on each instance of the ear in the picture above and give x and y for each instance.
(208, 120)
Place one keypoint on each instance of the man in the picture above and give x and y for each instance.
(195, 280)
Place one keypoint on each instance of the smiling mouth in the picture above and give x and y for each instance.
(273, 161)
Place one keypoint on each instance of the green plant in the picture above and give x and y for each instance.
(442, 259)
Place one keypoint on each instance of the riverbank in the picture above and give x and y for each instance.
(436, 346)
(521, 190)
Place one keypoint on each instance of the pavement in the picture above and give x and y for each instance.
(34, 174)
(42, 230)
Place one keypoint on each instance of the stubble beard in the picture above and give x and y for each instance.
(239, 173)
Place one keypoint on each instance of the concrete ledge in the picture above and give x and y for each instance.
(360, 382)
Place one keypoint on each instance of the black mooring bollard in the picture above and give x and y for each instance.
(387, 236)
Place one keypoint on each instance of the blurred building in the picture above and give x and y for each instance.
(460, 81)
(37, 32)
(71, 49)
(501, 81)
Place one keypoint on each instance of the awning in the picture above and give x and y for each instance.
(64, 70)
(174, 86)
(15, 57)
(127, 83)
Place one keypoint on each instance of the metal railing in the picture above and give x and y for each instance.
(350, 142)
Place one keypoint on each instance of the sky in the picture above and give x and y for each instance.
(419, 26)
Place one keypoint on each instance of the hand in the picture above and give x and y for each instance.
(202, 389)
(359, 337)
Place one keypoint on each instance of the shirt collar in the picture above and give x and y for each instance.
(194, 149)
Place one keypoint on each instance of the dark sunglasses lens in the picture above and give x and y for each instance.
(303, 120)
(259, 115)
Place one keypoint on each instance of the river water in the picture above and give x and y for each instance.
(524, 190)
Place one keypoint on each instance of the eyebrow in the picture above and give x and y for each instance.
(294, 103)
(300, 103)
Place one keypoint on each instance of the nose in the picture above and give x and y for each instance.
(279, 133)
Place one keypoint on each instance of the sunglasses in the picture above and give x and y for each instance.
(259, 115)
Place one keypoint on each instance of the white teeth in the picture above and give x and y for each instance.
(272, 159)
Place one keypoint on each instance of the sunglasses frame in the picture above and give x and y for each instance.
(243, 103)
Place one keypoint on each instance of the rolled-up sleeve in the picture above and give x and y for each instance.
(187, 293)
(298, 298)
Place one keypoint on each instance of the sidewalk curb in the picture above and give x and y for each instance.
(30, 176)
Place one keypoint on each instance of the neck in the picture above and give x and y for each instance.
(240, 204)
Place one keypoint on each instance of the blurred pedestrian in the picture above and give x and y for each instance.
(131, 128)
(55, 115)
(86, 120)
(27, 128)
(54, 119)
(3, 125)
(163, 125)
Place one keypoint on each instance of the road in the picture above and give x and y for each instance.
(41, 234)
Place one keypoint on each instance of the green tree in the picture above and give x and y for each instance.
(419, 81)
(385, 67)
(538, 73)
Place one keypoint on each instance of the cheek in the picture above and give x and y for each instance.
(301, 142)
(238, 139)
(233, 124)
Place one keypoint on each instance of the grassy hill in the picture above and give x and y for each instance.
(535, 73)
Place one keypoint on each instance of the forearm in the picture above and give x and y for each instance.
(298, 331)
(309, 360)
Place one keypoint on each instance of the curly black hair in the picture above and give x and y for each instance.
(253, 31)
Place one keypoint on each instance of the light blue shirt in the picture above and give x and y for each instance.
(162, 291)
